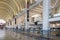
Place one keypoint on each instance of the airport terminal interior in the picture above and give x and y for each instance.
(29, 19)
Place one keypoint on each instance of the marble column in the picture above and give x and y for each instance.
(46, 12)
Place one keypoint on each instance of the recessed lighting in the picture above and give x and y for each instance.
(57, 24)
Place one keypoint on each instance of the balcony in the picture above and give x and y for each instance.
(56, 17)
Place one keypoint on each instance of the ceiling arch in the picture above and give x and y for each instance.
(5, 12)
(12, 3)
(8, 10)
(7, 5)
(16, 4)
(10, 7)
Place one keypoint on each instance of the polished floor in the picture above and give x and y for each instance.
(11, 35)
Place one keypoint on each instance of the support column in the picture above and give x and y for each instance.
(46, 12)
(27, 14)
(8, 23)
(15, 20)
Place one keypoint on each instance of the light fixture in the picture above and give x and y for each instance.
(2, 21)
(53, 25)
(57, 24)
(36, 15)
(57, 14)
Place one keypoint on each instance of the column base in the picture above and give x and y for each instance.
(46, 33)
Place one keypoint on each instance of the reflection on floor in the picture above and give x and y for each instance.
(2, 34)
(10, 35)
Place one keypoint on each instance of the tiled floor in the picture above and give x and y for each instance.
(10, 35)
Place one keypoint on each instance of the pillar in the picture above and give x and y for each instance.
(46, 12)
(27, 14)
(15, 20)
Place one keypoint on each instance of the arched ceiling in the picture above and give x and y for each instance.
(10, 7)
